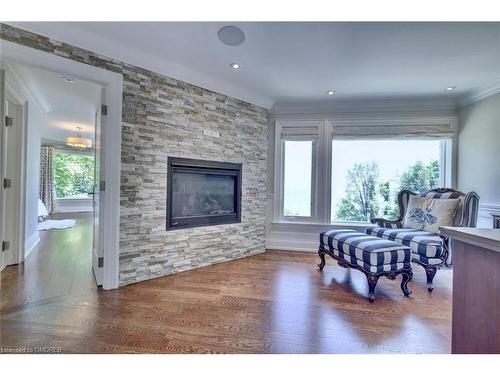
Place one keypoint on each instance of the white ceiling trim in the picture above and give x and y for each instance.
(480, 93)
(127, 54)
(367, 106)
(17, 82)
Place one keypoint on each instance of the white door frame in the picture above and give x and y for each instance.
(2, 165)
(111, 142)
(17, 98)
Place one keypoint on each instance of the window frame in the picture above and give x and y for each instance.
(280, 171)
(322, 163)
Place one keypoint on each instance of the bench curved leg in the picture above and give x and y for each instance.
(321, 254)
(372, 283)
(407, 275)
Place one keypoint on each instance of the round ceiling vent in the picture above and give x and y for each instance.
(231, 35)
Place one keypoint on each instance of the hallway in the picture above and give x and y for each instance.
(60, 266)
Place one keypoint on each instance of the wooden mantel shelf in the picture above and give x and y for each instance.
(483, 237)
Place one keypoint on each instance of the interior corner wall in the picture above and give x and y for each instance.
(479, 154)
(164, 117)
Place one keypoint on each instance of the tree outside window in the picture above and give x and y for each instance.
(73, 175)
(367, 197)
(367, 175)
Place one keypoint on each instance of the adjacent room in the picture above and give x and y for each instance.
(251, 187)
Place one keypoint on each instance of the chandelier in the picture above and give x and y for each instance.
(79, 141)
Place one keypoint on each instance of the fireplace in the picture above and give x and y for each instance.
(202, 192)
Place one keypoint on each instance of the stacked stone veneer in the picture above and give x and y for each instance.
(166, 117)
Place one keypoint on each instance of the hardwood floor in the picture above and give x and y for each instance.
(276, 302)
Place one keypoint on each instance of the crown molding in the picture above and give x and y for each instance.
(18, 86)
(366, 106)
(480, 93)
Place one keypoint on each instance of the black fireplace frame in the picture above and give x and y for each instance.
(203, 166)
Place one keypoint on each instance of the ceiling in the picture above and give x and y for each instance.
(63, 105)
(283, 63)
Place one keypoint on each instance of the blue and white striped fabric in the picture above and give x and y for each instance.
(436, 195)
(425, 260)
(420, 242)
(371, 253)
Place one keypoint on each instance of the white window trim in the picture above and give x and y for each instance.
(316, 183)
(322, 201)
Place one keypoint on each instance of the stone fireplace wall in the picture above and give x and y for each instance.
(166, 117)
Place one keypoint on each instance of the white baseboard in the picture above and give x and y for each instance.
(73, 205)
(73, 209)
(30, 243)
(484, 219)
(292, 245)
(303, 236)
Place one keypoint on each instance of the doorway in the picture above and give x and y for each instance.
(58, 117)
(106, 176)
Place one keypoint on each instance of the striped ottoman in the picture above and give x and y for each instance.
(371, 255)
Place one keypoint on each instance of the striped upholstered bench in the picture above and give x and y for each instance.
(371, 255)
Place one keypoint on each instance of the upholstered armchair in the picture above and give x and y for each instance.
(428, 249)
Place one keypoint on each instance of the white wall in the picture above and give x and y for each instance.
(32, 176)
(479, 154)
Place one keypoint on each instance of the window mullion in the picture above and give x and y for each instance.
(322, 176)
(327, 170)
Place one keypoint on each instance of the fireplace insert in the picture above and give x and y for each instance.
(202, 192)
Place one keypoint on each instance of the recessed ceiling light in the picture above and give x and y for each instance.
(231, 35)
(68, 79)
(451, 88)
(235, 65)
(330, 92)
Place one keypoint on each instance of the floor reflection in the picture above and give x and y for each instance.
(329, 312)
(276, 302)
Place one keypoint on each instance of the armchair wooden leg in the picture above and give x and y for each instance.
(430, 271)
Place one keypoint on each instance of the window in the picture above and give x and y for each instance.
(352, 170)
(297, 186)
(73, 175)
(367, 175)
(297, 147)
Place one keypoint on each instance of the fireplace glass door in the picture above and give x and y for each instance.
(202, 193)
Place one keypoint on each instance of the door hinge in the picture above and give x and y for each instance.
(100, 262)
(102, 185)
(7, 183)
(104, 110)
(9, 121)
(5, 245)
